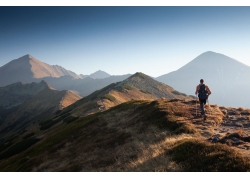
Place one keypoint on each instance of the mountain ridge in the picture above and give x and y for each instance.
(136, 87)
(16, 93)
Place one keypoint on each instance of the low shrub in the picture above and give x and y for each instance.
(48, 123)
(176, 92)
(126, 86)
(109, 97)
(146, 92)
(28, 135)
(70, 119)
(18, 147)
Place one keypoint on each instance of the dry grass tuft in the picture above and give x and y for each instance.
(240, 109)
(240, 132)
(215, 114)
(199, 156)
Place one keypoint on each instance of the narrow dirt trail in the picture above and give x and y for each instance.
(229, 126)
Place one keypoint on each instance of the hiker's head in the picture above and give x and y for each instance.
(201, 81)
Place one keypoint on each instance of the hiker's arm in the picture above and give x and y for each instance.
(197, 89)
(209, 92)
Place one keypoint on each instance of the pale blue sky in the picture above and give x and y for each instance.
(122, 40)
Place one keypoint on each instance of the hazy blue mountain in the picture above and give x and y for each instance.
(83, 76)
(84, 86)
(228, 79)
(99, 75)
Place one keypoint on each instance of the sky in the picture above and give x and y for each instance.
(121, 40)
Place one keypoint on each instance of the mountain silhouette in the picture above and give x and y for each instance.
(226, 77)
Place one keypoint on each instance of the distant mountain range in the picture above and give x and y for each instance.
(28, 69)
(228, 79)
(83, 86)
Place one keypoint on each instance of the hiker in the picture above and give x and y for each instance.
(204, 92)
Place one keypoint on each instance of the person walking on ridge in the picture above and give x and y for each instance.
(204, 92)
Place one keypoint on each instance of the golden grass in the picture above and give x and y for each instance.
(200, 156)
(68, 99)
(240, 132)
(136, 136)
(248, 111)
(240, 109)
(153, 157)
(214, 113)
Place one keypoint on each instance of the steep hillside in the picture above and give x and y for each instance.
(27, 69)
(228, 79)
(136, 136)
(33, 110)
(15, 94)
(69, 98)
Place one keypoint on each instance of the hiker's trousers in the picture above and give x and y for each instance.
(202, 103)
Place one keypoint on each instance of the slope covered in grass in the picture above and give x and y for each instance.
(133, 136)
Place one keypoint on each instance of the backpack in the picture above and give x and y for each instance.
(203, 94)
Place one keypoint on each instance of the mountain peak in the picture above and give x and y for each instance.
(140, 75)
(26, 68)
(210, 59)
(46, 85)
(209, 52)
(99, 75)
(26, 57)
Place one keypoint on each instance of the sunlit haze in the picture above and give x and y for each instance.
(122, 40)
